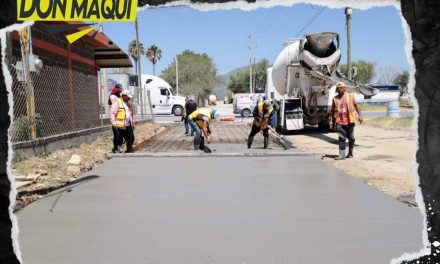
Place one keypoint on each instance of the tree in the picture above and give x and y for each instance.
(365, 71)
(387, 75)
(154, 54)
(239, 82)
(402, 80)
(197, 75)
(132, 51)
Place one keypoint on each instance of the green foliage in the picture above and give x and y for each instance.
(21, 128)
(133, 52)
(239, 82)
(402, 80)
(365, 71)
(153, 54)
(197, 74)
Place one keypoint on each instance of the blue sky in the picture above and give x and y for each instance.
(377, 33)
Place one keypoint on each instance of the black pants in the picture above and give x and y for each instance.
(128, 135)
(115, 138)
(256, 129)
(345, 132)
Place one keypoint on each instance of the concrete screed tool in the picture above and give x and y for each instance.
(281, 139)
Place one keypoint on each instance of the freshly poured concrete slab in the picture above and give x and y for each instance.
(218, 210)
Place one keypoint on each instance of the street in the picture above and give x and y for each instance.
(179, 206)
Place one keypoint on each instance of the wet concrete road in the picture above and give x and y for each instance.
(245, 210)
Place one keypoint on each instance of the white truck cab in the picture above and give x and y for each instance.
(164, 101)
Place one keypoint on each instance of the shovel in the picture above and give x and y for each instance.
(281, 139)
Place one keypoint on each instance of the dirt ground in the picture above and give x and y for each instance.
(42, 174)
(383, 158)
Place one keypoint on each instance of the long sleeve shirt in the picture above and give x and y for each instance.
(272, 117)
(129, 120)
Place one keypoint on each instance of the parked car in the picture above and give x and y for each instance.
(245, 103)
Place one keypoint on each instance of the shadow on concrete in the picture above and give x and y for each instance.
(51, 190)
(71, 185)
(327, 156)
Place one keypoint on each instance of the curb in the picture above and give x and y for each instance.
(204, 155)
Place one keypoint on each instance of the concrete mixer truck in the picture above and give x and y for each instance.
(303, 80)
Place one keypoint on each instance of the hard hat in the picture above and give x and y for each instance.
(212, 98)
(340, 84)
(127, 93)
(267, 104)
(215, 114)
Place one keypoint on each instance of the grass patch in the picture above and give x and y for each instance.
(375, 108)
(390, 123)
(383, 108)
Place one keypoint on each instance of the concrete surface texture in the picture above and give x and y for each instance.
(226, 137)
(218, 210)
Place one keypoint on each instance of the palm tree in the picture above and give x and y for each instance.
(154, 54)
(132, 51)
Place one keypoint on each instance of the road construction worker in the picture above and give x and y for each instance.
(264, 116)
(343, 112)
(122, 121)
(190, 106)
(199, 121)
(114, 95)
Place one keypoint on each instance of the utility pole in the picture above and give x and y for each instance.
(103, 88)
(250, 63)
(254, 83)
(177, 76)
(138, 51)
(348, 12)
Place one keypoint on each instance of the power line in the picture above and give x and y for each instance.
(311, 20)
(314, 17)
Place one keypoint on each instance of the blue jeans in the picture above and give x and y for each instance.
(186, 122)
(199, 139)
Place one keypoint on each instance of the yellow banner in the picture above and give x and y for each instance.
(76, 10)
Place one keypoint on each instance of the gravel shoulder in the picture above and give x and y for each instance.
(39, 175)
(383, 158)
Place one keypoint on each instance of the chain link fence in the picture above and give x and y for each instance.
(53, 103)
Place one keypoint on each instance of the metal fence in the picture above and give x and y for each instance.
(51, 103)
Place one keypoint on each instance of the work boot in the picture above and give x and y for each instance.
(350, 149)
(265, 142)
(341, 155)
(196, 143)
(350, 153)
(249, 142)
(129, 150)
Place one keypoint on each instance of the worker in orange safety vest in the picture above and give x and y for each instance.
(343, 112)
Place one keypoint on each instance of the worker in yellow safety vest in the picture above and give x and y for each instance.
(199, 121)
(343, 112)
(122, 121)
(264, 116)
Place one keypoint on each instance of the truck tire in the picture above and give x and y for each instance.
(177, 110)
(245, 113)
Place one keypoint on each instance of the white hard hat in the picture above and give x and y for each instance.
(127, 93)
